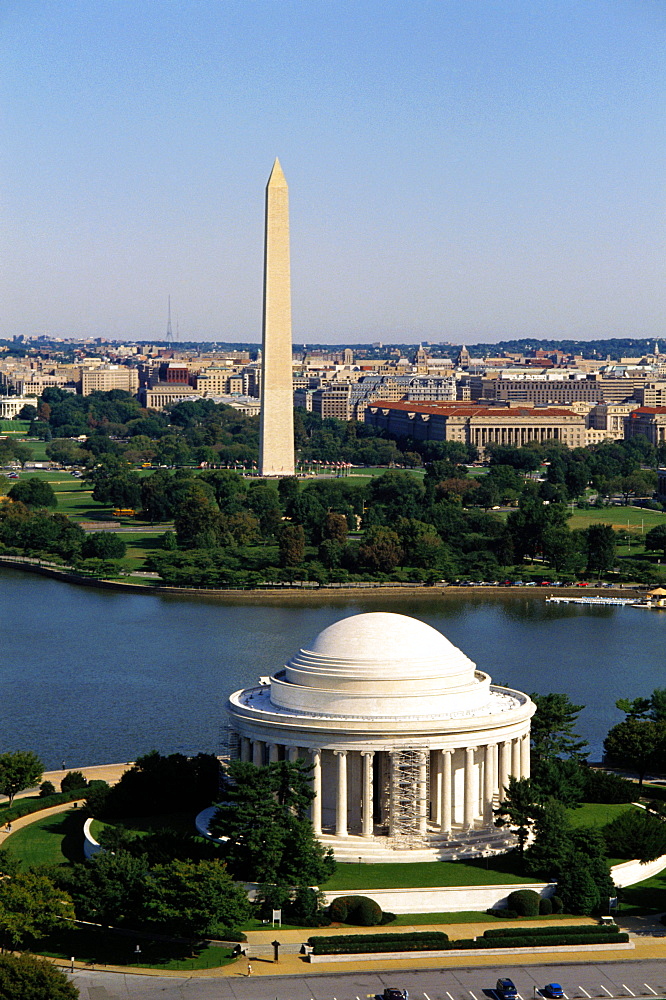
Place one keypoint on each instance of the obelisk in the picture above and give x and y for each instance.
(276, 441)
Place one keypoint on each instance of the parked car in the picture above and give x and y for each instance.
(506, 990)
(553, 990)
(390, 993)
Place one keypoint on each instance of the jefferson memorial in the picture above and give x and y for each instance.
(411, 746)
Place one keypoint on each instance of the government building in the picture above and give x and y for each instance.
(411, 746)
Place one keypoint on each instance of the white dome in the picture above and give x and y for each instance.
(380, 664)
(388, 641)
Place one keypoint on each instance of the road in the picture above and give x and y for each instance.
(581, 981)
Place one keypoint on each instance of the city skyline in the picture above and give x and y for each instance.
(465, 173)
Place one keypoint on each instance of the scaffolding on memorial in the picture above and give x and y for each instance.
(408, 796)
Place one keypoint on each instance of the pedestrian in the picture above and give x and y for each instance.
(9, 827)
(249, 969)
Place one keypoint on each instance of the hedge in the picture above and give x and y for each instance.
(522, 937)
(550, 929)
(356, 944)
(552, 940)
(23, 807)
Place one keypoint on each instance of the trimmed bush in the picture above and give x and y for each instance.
(525, 902)
(357, 944)
(558, 905)
(504, 912)
(47, 788)
(545, 907)
(552, 930)
(359, 910)
(368, 913)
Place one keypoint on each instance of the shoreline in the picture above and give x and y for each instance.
(292, 593)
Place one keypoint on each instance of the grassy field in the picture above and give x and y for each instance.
(634, 519)
(20, 427)
(105, 948)
(52, 840)
(402, 875)
(596, 814)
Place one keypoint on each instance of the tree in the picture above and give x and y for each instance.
(380, 549)
(585, 884)
(263, 816)
(194, 899)
(291, 543)
(552, 731)
(550, 852)
(519, 809)
(564, 780)
(336, 528)
(655, 540)
(600, 544)
(31, 905)
(34, 492)
(25, 977)
(114, 482)
(103, 545)
(19, 769)
(637, 744)
(110, 889)
(27, 412)
(636, 834)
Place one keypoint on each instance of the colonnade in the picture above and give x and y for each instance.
(454, 788)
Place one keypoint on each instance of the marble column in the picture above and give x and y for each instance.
(488, 784)
(273, 753)
(245, 749)
(525, 756)
(504, 768)
(367, 804)
(257, 753)
(341, 802)
(423, 793)
(515, 762)
(292, 754)
(446, 793)
(315, 810)
(469, 804)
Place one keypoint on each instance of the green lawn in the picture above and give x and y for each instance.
(427, 874)
(596, 814)
(621, 518)
(20, 427)
(52, 840)
(106, 948)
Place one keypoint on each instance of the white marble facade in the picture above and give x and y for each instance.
(411, 746)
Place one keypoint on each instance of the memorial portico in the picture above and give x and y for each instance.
(411, 747)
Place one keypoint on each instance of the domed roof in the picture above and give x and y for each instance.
(405, 645)
(379, 663)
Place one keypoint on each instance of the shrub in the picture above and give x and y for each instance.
(636, 834)
(73, 780)
(602, 786)
(557, 904)
(525, 902)
(545, 907)
(498, 911)
(354, 944)
(96, 796)
(359, 910)
(338, 909)
(47, 788)
(368, 913)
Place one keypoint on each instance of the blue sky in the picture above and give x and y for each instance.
(459, 170)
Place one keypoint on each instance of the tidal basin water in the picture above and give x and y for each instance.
(90, 676)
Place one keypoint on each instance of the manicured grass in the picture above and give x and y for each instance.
(106, 948)
(620, 518)
(14, 427)
(52, 840)
(465, 917)
(596, 814)
(501, 870)
(378, 470)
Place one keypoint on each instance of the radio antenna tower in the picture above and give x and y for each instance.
(169, 331)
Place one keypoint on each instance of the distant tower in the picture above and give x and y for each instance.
(169, 332)
(276, 441)
(463, 358)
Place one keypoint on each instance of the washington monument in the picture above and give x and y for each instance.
(276, 442)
